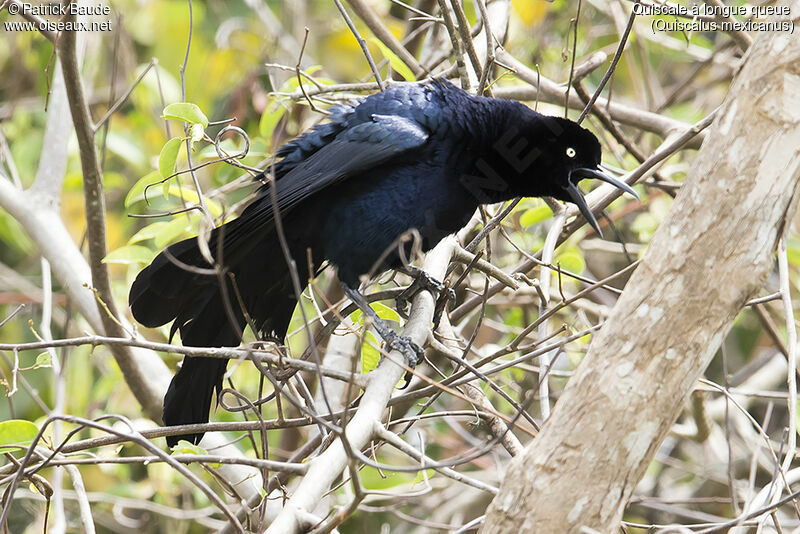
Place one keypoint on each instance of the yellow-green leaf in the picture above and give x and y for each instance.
(382, 310)
(171, 188)
(168, 157)
(273, 112)
(177, 227)
(535, 216)
(793, 251)
(184, 447)
(571, 260)
(385, 312)
(148, 232)
(370, 355)
(187, 112)
(43, 360)
(422, 476)
(130, 254)
(16, 434)
(529, 12)
(137, 191)
(397, 64)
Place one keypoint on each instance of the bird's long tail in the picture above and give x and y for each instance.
(177, 286)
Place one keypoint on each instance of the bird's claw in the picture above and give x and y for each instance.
(448, 296)
(423, 282)
(413, 352)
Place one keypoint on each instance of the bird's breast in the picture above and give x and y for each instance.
(368, 215)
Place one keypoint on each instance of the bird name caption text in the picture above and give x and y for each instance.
(35, 13)
(710, 18)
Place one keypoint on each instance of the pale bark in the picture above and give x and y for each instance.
(711, 254)
(329, 465)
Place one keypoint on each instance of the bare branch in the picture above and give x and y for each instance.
(330, 464)
(380, 30)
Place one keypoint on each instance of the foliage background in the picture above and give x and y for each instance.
(677, 75)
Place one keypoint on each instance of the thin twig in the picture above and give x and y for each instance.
(297, 71)
(361, 42)
(610, 71)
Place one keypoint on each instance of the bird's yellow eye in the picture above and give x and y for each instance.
(570, 152)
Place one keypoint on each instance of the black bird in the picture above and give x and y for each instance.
(415, 156)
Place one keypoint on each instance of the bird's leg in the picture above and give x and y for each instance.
(425, 282)
(395, 341)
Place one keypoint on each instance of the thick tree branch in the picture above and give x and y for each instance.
(711, 254)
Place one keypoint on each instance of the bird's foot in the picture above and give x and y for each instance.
(394, 341)
(413, 352)
(425, 282)
(403, 344)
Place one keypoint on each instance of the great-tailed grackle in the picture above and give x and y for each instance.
(415, 156)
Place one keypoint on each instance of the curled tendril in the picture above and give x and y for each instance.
(218, 139)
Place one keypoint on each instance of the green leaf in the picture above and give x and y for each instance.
(291, 83)
(382, 310)
(273, 112)
(179, 191)
(168, 157)
(113, 180)
(535, 216)
(797, 416)
(148, 232)
(129, 255)
(17, 434)
(184, 447)
(385, 312)
(169, 188)
(137, 191)
(571, 260)
(196, 132)
(397, 64)
(370, 355)
(422, 476)
(43, 360)
(177, 227)
(187, 112)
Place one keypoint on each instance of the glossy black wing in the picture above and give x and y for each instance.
(355, 149)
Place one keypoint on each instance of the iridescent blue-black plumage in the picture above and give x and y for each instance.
(415, 156)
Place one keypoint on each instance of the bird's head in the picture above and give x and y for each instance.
(548, 156)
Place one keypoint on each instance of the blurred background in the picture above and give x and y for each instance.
(243, 69)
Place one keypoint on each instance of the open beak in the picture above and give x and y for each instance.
(577, 197)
